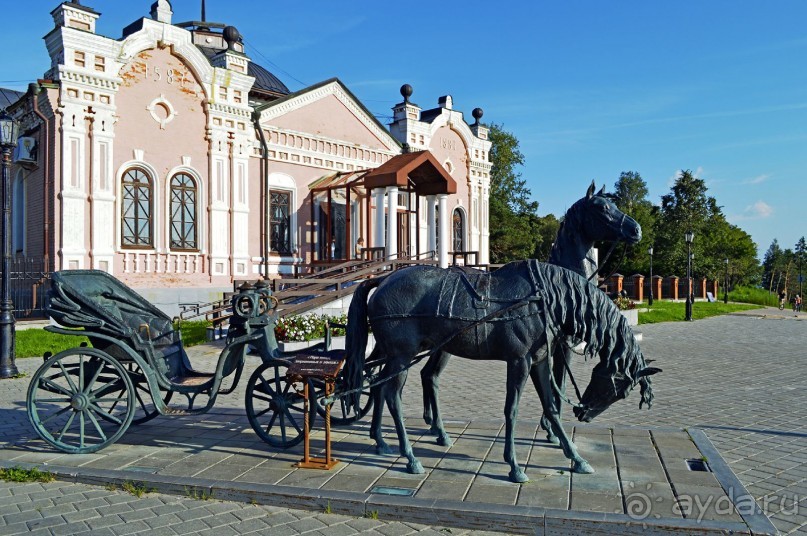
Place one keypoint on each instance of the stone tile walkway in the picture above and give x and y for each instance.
(736, 377)
(64, 508)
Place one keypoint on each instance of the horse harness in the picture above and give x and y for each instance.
(376, 381)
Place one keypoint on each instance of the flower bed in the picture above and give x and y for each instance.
(305, 328)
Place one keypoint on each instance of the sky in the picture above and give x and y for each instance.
(589, 88)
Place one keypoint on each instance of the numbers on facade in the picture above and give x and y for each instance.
(171, 76)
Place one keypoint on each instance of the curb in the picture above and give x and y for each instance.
(756, 519)
(466, 515)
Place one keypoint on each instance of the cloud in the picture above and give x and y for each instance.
(758, 179)
(758, 211)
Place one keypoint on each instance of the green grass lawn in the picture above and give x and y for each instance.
(668, 311)
(35, 342)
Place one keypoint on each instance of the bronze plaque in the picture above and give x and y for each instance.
(317, 365)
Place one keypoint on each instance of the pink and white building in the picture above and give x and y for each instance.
(172, 161)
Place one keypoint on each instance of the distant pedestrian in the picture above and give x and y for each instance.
(782, 296)
(798, 303)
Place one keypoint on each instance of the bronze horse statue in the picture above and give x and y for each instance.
(593, 218)
(516, 315)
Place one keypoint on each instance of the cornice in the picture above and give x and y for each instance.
(89, 78)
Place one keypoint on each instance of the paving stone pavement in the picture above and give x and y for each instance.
(742, 378)
(62, 508)
(737, 377)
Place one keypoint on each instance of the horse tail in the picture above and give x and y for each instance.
(356, 341)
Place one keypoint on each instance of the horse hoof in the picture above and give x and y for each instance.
(444, 441)
(552, 438)
(582, 467)
(383, 449)
(519, 476)
(415, 468)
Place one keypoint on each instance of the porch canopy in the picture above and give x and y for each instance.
(341, 206)
(419, 171)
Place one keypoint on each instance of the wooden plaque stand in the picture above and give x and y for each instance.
(325, 368)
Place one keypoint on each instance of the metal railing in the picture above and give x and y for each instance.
(29, 280)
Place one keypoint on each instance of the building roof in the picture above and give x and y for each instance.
(427, 116)
(421, 168)
(9, 97)
(264, 80)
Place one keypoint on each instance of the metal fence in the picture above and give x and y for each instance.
(629, 286)
(683, 288)
(29, 280)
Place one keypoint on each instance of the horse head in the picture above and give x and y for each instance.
(600, 219)
(606, 387)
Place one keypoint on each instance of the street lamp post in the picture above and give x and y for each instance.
(650, 298)
(9, 131)
(689, 236)
(726, 287)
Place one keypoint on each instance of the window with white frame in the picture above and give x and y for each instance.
(280, 222)
(458, 230)
(183, 212)
(137, 207)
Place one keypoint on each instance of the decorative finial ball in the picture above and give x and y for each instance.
(406, 91)
(231, 35)
(478, 113)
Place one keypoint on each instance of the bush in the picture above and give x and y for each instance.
(307, 327)
(756, 295)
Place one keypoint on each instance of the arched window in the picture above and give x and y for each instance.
(458, 230)
(137, 209)
(280, 222)
(183, 212)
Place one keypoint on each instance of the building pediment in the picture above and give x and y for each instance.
(328, 110)
(152, 34)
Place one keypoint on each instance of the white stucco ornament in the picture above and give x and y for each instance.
(162, 111)
(161, 11)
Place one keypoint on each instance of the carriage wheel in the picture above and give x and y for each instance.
(81, 400)
(340, 415)
(145, 410)
(274, 409)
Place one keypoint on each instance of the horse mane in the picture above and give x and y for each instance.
(569, 227)
(581, 309)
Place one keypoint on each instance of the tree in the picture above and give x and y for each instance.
(721, 241)
(547, 232)
(514, 222)
(631, 192)
(685, 208)
(801, 246)
(770, 264)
